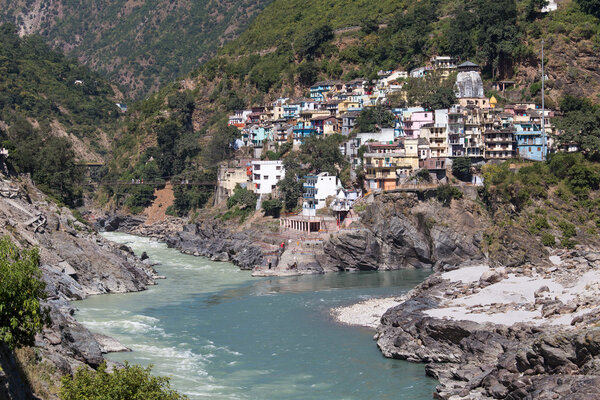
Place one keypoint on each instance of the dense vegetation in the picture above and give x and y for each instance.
(141, 45)
(21, 289)
(128, 383)
(47, 102)
(559, 197)
(291, 45)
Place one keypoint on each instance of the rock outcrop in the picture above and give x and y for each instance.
(485, 339)
(75, 262)
(212, 240)
(399, 231)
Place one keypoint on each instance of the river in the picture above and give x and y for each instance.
(221, 334)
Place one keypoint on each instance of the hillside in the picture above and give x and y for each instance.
(54, 113)
(292, 44)
(139, 44)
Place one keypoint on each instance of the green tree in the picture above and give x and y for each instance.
(21, 289)
(290, 190)
(460, 41)
(372, 119)
(311, 42)
(308, 72)
(579, 125)
(590, 7)
(445, 194)
(127, 383)
(272, 207)
(442, 98)
(461, 168)
(498, 34)
(322, 154)
(243, 198)
(534, 8)
(167, 133)
(220, 146)
(368, 26)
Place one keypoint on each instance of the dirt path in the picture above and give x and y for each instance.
(163, 199)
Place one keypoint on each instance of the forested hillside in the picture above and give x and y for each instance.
(292, 44)
(140, 44)
(53, 113)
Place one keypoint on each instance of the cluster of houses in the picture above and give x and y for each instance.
(420, 138)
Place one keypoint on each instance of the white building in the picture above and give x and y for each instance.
(317, 189)
(265, 175)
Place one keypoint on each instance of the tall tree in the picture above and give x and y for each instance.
(21, 289)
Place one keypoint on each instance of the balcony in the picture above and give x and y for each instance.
(391, 175)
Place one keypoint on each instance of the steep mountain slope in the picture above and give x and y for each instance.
(140, 44)
(53, 113)
(292, 44)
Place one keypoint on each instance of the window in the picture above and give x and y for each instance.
(258, 186)
(278, 177)
(265, 177)
(278, 168)
(257, 167)
(256, 177)
(273, 187)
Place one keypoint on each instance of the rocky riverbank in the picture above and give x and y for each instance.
(526, 332)
(76, 262)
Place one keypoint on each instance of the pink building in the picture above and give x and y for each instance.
(413, 124)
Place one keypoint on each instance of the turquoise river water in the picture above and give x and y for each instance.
(221, 334)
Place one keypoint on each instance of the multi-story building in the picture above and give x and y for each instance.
(384, 163)
(348, 121)
(413, 123)
(319, 90)
(228, 177)
(317, 189)
(531, 143)
(265, 175)
(456, 132)
(499, 143)
(437, 136)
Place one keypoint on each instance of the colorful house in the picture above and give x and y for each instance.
(531, 144)
(317, 189)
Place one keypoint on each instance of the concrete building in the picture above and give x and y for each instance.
(414, 122)
(384, 163)
(437, 136)
(317, 189)
(229, 176)
(265, 175)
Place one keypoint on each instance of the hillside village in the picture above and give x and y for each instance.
(419, 139)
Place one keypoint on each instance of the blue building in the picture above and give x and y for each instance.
(531, 144)
(318, 90)
(302, 130)
(291, 111)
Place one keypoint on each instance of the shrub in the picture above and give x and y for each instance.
(538, 224)
(548, 239)
(568, 229)
(243, 198)
(445, 194)
(130, 382)
(272, 207)
(568, 243)
(21, 289)
(461, 168)
(423, 175)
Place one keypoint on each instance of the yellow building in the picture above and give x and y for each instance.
(384, 163)
(437, 136)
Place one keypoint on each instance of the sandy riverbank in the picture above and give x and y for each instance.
(480, 294)
(366, 313)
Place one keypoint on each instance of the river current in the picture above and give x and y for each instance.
(221, 334)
